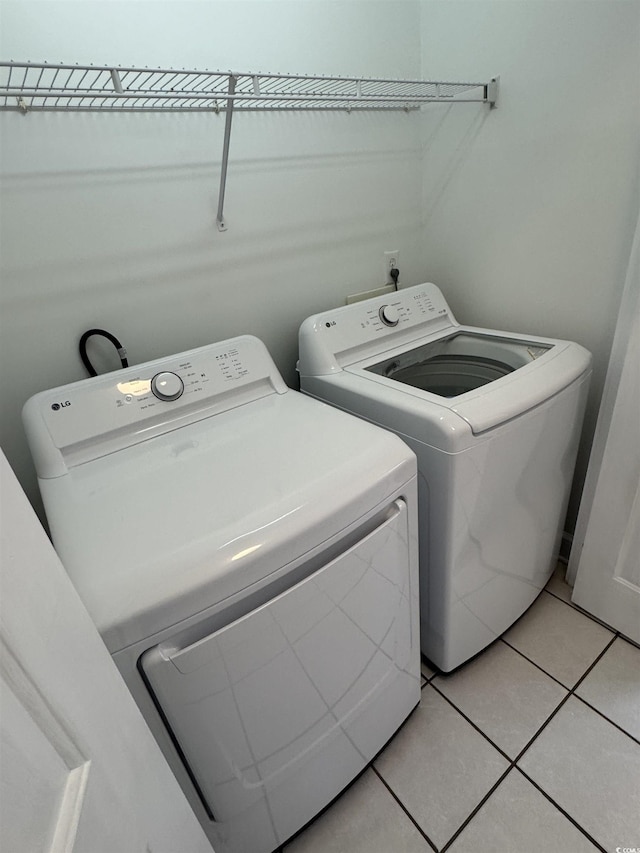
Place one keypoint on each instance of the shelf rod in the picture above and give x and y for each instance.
(225, 153)
(360, 100)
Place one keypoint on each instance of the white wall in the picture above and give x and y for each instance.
(529, 210)
(109, 220)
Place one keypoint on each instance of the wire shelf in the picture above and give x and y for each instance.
(30, 86)
(36, 87)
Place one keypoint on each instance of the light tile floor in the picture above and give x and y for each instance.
(532, 747)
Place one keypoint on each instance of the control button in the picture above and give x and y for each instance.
(167, 386)
(389, 315)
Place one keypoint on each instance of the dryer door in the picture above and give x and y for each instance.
(277, 711)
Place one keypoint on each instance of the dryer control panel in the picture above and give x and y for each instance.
(88, 418)
(347, 334)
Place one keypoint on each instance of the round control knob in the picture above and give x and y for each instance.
(389, 315)
(167, 386)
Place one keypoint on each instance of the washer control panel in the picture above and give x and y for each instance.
(153, 397)
(421, 308)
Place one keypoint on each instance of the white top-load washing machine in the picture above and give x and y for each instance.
(250, 557)
(494, 419)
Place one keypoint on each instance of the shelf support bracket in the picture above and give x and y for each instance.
(491, 92)
(117, 84)
(225, 153)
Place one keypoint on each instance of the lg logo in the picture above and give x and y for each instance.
(57, 406)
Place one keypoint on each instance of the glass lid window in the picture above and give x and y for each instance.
(459, 363)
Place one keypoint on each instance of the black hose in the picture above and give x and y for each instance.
(82, 348)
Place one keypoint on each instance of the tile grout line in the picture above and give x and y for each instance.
(582, 677)
(570, 693)
(593, 618)
(559, 597)
(628, 640)
(571, 604)
(512, 765)
(596, 661)
(537, 665)
(531, 741)
(608, 719)
(404, 809)
(472, 724)
(560, 809)
(475, 811)
(544, 726)
(513, 762)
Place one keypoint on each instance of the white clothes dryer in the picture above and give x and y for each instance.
(250, 557)
(494, 419)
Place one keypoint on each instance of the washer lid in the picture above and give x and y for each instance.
(493, 404)
(513, 386)
(451, 365)
(161, 530)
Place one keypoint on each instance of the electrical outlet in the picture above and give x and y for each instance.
(391, 261)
